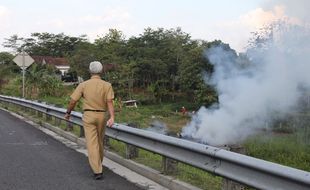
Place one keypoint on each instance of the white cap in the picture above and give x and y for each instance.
(95, 67)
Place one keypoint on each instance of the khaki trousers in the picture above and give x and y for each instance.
(94, 125)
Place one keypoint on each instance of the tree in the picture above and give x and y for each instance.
(14, 43)
(111, 47)
(159, 50)
(45, 44)
(81, 57)
(6, 58)
(192, 72)
(7, 66)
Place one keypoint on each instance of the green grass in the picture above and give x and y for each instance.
(285, 149)
(117, 147)
(149, 159)
(199, 178)
(13, 87)
(58, 101)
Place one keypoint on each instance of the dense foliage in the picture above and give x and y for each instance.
(158, 65)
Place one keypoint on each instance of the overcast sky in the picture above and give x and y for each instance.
(232, 21)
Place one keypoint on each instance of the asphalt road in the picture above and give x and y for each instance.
(30, 160)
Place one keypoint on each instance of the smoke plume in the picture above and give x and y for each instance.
(158, 127)
(253, 92)
(296, 9)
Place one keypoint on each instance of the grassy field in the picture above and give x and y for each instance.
(286, 149)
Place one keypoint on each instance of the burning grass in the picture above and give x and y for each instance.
(144, 116)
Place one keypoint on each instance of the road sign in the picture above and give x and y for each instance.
(23, 60)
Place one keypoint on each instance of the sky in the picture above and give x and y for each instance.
(231, 21)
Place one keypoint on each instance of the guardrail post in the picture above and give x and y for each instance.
(106, 142)
(169, 166)
(69, 126)
(229, 184)
(82, 132)
(57, 121)
(23, 109)
(131, 151)
(39, 114)
(48, 117)
(17, 107)
(13, 106)
(31, 111)
(6, 105)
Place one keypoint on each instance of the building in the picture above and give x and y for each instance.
(62, 64)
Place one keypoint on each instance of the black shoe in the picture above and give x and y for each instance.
(98, 176)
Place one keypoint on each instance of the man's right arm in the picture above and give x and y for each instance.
(76, 95)
(71, 106)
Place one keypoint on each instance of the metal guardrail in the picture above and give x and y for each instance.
(244, 169)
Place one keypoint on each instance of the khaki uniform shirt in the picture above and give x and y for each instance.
(95, 93)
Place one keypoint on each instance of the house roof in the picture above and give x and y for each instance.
(109, 67)
(57, 61)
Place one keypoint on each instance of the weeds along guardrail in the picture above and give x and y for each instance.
(243, 169)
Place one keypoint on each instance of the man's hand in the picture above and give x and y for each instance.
(110, 122)
(67, 116)
(111, 112)
(70, 108)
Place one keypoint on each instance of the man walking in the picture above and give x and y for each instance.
(98, 97)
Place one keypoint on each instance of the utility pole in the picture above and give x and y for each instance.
(23, 68)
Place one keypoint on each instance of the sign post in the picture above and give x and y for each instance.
(23, 60)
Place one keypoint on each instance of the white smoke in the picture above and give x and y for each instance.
(251, 95)
(158, 127)
(298, 9)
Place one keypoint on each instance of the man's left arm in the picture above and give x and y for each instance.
(110, 122)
